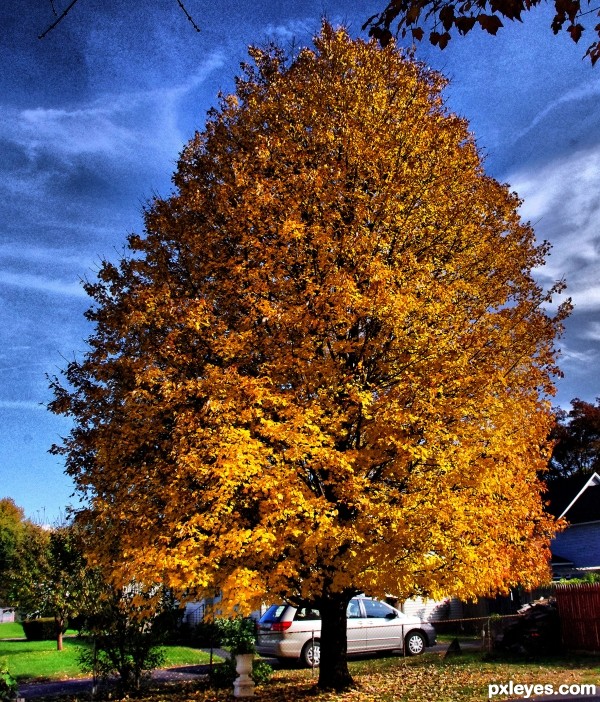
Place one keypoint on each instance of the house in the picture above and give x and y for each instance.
(576, 550)
(7, 614)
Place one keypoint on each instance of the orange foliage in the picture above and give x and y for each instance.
(325, 366)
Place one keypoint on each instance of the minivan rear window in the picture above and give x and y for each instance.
(273, 613)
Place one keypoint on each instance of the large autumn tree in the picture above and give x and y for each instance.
(324, 367)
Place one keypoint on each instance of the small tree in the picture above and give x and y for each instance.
(126, 632)
(325, 367)
(54, 579)
(13, 531)
(577, 440)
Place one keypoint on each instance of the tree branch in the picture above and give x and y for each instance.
(59, 19)
(189, 17)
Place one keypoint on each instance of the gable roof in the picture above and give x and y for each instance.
(575, 499)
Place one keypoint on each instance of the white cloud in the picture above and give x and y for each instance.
(42, 255)
(45, 285)
(87, 130)
(562, 200)
(22, 405)
(114, 125)
(292, 30)
(592, 332)
(584, 91)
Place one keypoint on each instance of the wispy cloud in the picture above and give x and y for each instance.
(41, 284)
(90, 129)
(584, 91)
(113, 125)
(578, 357)
(592, 332)
(22, 405)
(291, 30)
(40, 255)
(562, 200)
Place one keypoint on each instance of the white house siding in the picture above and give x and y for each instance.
(7, 615)
(194, 613)
(579, 543)
(432, 610)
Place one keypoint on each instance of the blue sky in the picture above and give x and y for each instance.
(92, 119)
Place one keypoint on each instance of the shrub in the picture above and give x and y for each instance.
(126, 634)
(8, 685)
(131, 656)
(261, 672)
(238, 634)
(587, 579)
(42, 629)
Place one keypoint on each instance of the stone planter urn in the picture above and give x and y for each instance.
(243, 685)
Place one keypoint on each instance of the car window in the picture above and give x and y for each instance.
(353, 610)
(273, 614)
(305, 614)
(377, 610)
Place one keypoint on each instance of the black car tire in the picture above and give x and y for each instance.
(414, 643)
(311, 653)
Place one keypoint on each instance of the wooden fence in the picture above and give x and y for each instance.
(579, 611)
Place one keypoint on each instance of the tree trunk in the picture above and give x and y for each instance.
(59, 633)
(333, 669)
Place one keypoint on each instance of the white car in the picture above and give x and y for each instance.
(289, 632)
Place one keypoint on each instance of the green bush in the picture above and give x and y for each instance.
(261, 672)
(131, 656)
(238, 634)
(126, 634)
(223, 675)
(587, 579)
(42, 629)
(8, 685)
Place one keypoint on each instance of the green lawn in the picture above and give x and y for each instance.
(39, 660)
(27, 660)
(11, 630)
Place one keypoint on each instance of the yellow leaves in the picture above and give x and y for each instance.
(321, 366)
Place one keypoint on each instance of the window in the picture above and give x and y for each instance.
(378, 610)
(305, 614)
(353, 611)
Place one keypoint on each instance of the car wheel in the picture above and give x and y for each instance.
(311, 653)
(414, 643)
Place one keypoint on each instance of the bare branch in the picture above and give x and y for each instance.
(187, 14)
(59, 19)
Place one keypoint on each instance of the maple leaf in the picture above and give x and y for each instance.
(491, 23)
(575, 30)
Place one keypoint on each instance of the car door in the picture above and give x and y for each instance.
(383, 626)
(357, 641)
